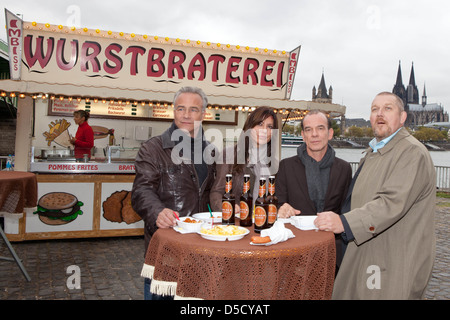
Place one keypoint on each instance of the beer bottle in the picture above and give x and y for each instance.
(228, 201)
(272, 202)
(261, 208)
(246, 204)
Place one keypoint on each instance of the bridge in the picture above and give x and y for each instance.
(355, 144)
(432, 147)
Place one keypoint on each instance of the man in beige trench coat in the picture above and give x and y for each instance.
(390, 227)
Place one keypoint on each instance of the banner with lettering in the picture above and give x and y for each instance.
(293, 62)
(14, 34)
(97, 58)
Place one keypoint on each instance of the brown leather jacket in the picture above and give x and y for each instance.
(160, 183)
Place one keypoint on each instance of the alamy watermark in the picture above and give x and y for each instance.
(373, 21)
(374, 280)
(264, 154)
(74, 279)
(74, 18)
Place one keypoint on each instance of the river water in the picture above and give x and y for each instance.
(440, 158)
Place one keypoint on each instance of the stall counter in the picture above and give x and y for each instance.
(91, 167)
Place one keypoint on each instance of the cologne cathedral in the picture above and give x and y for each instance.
(419, 113)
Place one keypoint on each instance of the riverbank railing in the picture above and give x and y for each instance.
(442, 176)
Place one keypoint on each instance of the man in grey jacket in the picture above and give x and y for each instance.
(390, 225)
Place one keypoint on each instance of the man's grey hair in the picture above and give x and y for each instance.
(192, 90)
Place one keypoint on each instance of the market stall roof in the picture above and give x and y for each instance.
(59, 62)
(66, 90)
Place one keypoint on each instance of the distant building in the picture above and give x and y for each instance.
(357, 122)
(321, 95)
(418, 113)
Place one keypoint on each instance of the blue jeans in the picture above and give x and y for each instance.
(151, 296)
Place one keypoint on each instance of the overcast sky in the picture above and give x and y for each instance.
(357, 43)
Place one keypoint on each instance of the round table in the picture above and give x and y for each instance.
(18, 190)
(188, 266)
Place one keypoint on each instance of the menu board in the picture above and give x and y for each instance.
(98, 108)
(124, 110)
(165, 111)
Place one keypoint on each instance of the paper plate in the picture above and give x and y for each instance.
(304, 222)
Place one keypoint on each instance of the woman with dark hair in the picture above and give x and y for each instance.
(251, 155)
(84, 138)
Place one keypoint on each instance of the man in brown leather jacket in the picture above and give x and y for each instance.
(170, 181)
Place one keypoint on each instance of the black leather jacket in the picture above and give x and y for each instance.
(160, 183)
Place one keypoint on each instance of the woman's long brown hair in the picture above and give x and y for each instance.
(256, 117)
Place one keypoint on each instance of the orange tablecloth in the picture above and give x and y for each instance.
(18, 190)
(188, 266)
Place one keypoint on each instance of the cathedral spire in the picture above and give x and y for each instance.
(412, 93)
(424, 96)
(399, 88)
(399, 81)
(412, 78)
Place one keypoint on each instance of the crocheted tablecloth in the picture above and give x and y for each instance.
(188, 266)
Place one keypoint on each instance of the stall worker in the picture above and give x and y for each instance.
(83, 141)
(171, 180)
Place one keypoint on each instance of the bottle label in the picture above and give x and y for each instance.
(272, 213)
(244, 210)
(262, 191)
(271, 188)
(246, 187)
(227, 210)
(260, 216)
(228, 186)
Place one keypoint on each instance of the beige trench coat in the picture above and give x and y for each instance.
(392, 220)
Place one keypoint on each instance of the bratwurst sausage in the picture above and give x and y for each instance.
(258, 239)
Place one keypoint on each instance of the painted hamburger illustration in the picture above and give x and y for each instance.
(56, 208)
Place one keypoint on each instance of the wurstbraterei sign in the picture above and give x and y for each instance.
(96, 58)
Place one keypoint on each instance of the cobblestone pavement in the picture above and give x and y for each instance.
(110, 267)
(439, 285)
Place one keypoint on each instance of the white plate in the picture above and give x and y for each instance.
(192, 227)
(206, 216)
(261, 244)
(224, 238)
(304, 222)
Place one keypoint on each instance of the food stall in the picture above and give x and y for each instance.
(126, 82)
